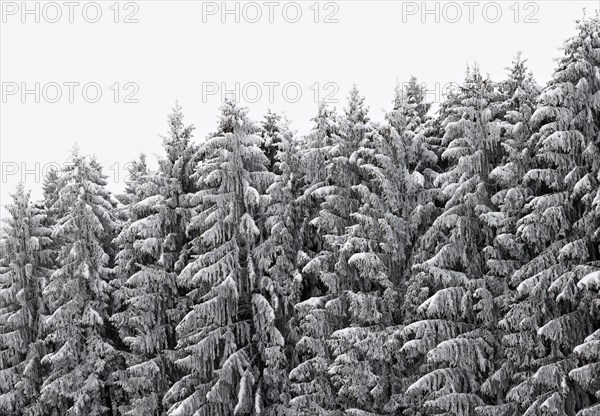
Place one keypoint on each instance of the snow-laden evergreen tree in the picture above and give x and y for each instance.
(175, 178)
(345, 304)
(147, 302)
(586, 117)
(506, 253)
(445, 336)
(138, 187)
(314, 156)
(80, 354)
(50, 186)
(339, 198)
(272, 131)
(412, 95)
(415, 160)
(231, 320)
(136, 169)
(315, 153)
(552, 312)
(278, 276)
(143, 296)
(407, 167)
(310, 386)
(372, 259)
(408, 117)
(25, 259)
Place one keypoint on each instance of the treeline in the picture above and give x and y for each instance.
(429, 264)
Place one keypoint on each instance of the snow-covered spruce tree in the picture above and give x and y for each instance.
(136, 169)
(138, 187)
(412, 95)
(142, 297)
(147, 301)
(175, 178)
(314, 156)
(273, 128)
(551, 312)
(25, 259)
(407, 196)
(411, 152)
(587, 196)
(338, 200)
(50, 186)
(278, 277)
(407, 118)
(506, 253)
(374, 251)
(80, 355)
(315, 153)
(445, 336)
(310, 387)
(349, 301)
(221, 337)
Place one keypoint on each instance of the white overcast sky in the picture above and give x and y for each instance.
(178, 48)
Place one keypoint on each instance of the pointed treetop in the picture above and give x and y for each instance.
(178, 132)
(75, 150)
(231, 116)
(271, 120)
(473, 74)
(50, 185)
(326, 120)
(519, 76)
(518, 68)
(175, 118)
(20, 198)
(411, 94)
(356, 111)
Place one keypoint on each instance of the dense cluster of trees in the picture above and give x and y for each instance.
(429, 264)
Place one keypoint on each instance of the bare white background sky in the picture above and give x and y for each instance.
(182, 50)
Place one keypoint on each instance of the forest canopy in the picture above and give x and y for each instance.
(428, 264)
